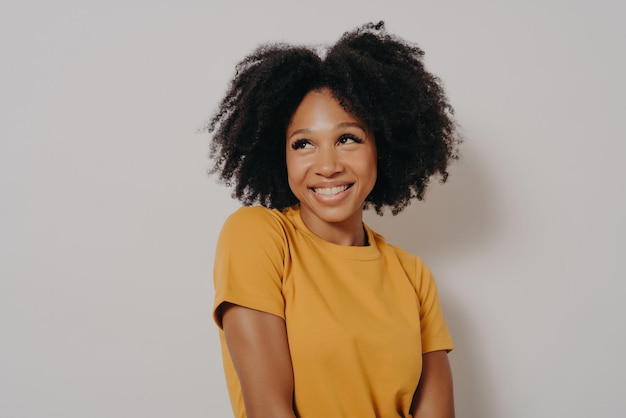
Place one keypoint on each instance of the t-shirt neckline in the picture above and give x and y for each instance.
(368, 252)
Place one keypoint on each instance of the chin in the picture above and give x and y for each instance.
(335, 215)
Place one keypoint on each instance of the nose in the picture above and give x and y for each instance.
(328, 162)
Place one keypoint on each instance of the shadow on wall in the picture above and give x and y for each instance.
(456, 222)
(455, 219)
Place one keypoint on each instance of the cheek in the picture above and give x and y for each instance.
(292, 169)
(295, 175)
(373, 175)
(298, 166)
(370, 167)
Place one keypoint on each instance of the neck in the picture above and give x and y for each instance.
(349, 232)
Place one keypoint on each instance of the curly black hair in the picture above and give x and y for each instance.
(376, 76)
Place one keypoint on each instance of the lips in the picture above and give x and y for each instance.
(331, 191)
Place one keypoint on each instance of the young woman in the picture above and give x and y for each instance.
(319, 316)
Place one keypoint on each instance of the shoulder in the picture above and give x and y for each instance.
(252, 230)
(251, 214)
(405, 258)
(250, 219)
(413, 265)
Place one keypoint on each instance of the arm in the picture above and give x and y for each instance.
(257, 343)
(433, 397)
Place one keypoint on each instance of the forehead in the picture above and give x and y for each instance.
(319, 109)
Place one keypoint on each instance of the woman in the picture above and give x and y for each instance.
(319, 316)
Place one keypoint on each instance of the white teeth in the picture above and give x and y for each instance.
(330, 191)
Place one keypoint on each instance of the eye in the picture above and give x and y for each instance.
(349, 139)
(300, 144)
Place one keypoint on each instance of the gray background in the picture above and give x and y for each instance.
(108, 218)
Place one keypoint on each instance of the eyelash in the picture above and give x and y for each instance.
(353, 138)
(301, 143)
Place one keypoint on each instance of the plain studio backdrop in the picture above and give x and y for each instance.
(108, 219)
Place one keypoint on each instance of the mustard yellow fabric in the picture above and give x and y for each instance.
(358, 318)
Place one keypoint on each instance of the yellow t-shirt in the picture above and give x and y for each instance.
(358, 318)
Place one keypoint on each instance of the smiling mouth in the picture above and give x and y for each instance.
(331, 191)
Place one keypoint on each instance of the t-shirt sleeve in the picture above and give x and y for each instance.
(249, 260)
(435, 335)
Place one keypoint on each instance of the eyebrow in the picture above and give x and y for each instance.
(338, 126)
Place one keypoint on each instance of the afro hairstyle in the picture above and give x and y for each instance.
(377, 77)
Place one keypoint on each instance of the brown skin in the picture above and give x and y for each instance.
(331, 165)
(257, 342)
(433, 397)
(329, 149)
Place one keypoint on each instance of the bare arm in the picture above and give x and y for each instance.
(257, 343)
(433, 398)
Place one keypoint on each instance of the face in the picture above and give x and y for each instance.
(331, 162)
